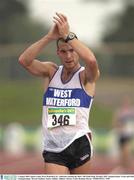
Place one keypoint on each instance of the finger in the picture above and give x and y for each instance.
(57, 23)
(57, 20)
(63, 19)
(63, 16)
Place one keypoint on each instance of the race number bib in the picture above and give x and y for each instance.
(61, 117)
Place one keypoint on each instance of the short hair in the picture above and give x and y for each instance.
(58, 40)
(62, 40)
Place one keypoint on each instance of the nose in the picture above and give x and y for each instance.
(68, 54)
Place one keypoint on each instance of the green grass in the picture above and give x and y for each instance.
(21, 101)
(101, 116)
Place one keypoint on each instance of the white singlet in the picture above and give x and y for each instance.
(66, 108)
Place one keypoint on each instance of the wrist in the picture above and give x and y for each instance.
(65, 36)
(70, 36)
(49, 37)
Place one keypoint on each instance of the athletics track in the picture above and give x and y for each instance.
(32, 163)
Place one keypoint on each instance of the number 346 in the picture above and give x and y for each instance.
(61, 120)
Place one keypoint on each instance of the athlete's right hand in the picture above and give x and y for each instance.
(54, 33)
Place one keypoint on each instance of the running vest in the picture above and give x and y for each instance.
(66, 108)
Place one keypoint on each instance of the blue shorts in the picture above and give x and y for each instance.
(75, 155)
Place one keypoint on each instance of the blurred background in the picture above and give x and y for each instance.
(107, 27)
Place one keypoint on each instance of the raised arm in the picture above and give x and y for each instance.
(28, 58)
(91, 72)
(91, 67)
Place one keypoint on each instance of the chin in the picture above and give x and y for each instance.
(70, 66)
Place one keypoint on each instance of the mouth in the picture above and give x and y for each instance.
(69, 62)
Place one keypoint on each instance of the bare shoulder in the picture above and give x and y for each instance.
(42, 68)
(50, 64)
(52, 67)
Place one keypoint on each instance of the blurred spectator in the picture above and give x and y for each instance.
(14, 139)
(123, 122)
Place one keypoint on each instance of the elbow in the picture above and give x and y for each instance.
(92, 60)
(93, 66)
(89, 57)
(21, 61)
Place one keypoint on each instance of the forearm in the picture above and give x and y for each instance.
(32, 51)
(83, 51)
(87, 56)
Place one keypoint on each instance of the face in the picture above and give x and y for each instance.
(69, 58)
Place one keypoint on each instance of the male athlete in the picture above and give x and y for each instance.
(67, 100)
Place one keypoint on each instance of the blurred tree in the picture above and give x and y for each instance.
(16, 25)
(9, 8)
(120, 30)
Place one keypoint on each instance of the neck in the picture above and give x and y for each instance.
(70, 70)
